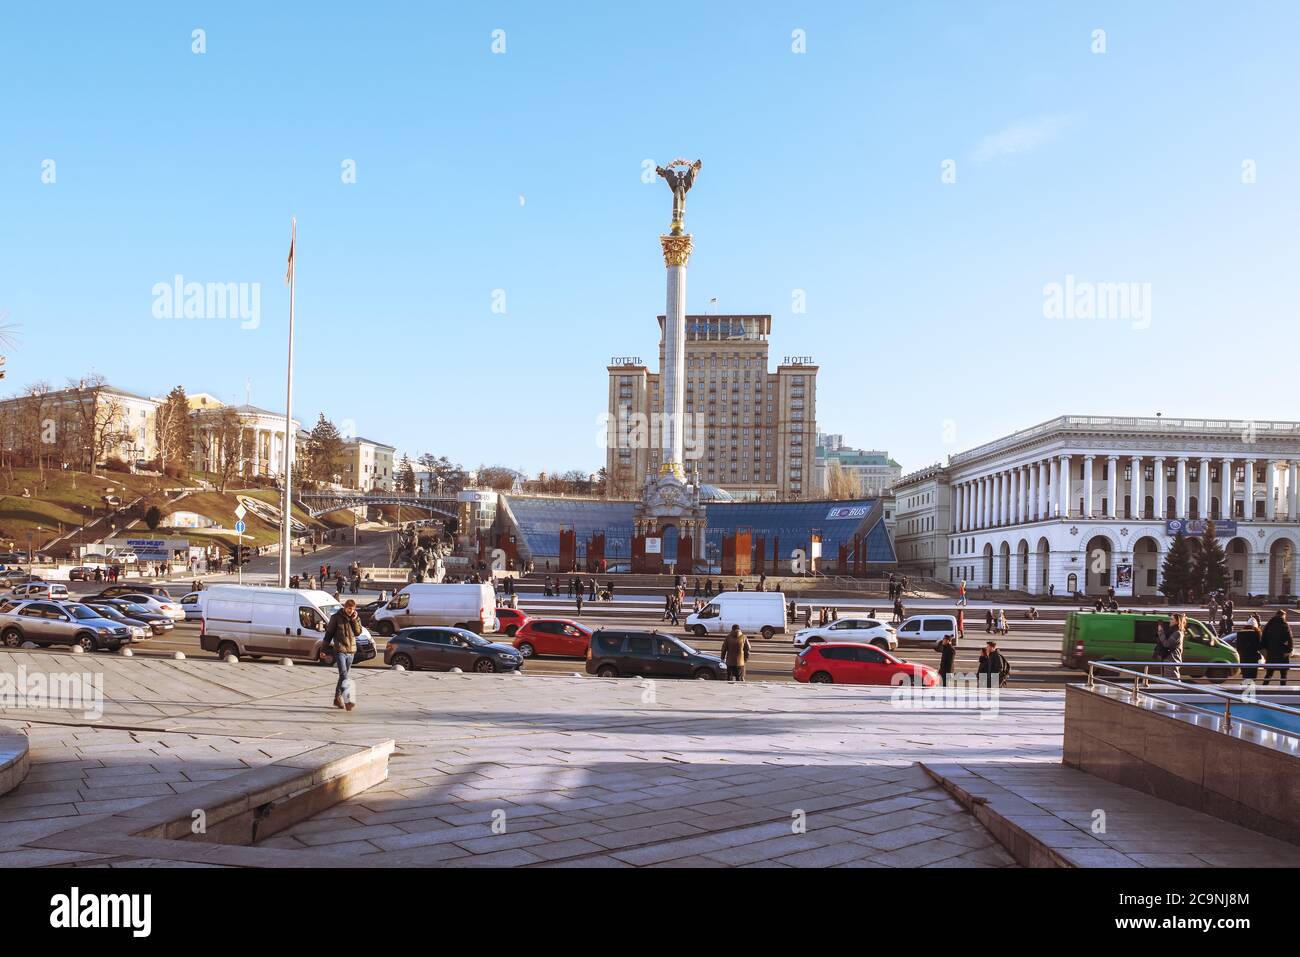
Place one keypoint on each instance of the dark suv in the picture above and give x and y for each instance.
(648, 654)
(441, 649)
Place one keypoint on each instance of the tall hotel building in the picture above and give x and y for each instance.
(755, 431)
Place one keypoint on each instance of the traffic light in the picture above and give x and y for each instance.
(244, 554)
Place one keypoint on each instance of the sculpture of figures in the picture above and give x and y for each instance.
(680, 182)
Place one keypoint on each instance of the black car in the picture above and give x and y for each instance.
(648, 654)
(111, 611)
(367, 611)
(117, 591)
(138, 612)
(441, 649)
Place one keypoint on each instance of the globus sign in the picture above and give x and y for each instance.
(847, 511)
(1195, 527)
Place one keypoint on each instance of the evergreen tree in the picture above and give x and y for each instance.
(1176, 572)
(1210, 569)
(406, 476)
(325, 452)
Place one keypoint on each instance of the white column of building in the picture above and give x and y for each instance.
(1063, 486)
(1087, 486)
(979, 505)
(257, 451)
(997, 501)
(1137, 494)
(1159, 493)
(1042, 490)
(1112, 486)
(1248, 510)
(1180, 503)
(1291, 491)
(1270, 490)
(963, 520)
(1017, 491)
(1203, 507)
(1035, 490)
(1004, 496)
(988, 501)
(1026, 476)
(1229, 489)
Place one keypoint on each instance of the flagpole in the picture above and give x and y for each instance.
(290, 437)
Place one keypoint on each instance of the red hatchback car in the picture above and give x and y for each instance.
(553, 636)
(850, 664)
(510, 620)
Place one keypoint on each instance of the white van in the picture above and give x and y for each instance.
(421, 604)
(756, 612)
(926, 629)
(245, 620)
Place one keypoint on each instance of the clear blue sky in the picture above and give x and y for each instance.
(821, 173)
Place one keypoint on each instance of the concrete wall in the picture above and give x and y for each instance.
(1195, 765)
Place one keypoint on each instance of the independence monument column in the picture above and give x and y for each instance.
(680, 176)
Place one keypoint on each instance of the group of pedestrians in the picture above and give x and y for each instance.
(996, 624)
(993, 670)
(1273, 640)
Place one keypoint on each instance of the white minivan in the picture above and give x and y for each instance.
(246, 620)
(926, 629)
(424, 604)
(756, 612)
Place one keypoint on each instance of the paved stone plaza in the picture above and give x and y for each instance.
(579, 772)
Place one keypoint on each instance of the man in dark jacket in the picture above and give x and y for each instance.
(947, 656)
(1277, 646)
(993, 668)
(341, 634)
(735, 652)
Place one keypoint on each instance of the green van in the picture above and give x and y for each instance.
(1103, 636)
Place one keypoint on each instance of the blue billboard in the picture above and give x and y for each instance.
(1195, 527)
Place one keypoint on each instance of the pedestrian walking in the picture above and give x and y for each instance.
(735, 652)
(341, 636)
(1169, 644)
(961, 623)
(708, 588)
(947, 657)
(578, 599)
(994, 669)
(1248, 644)
(988, 622)
(1277, 645)
(961, 593)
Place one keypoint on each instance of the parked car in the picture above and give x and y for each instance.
(1107, 636)
(510, 620)
(428, 604)
(49, 623)
(163, 606)
(855, 664)
(156, 620)
(441, 649)
(559, 637)
(756, 612)
(82, 573)
(866, 631)
(612, 654)
(925, 630)
(147, 629)
(15, 577)
(118, 591)
(284, 622)
(192, 604)
(40, 589)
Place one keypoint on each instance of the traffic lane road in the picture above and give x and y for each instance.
(773, 661)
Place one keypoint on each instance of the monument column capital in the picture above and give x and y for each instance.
(677, 249)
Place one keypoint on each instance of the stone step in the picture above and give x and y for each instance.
(1049, 815)
(14, 762)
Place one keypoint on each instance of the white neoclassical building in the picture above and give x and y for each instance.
(262, 431)
(1083, 503)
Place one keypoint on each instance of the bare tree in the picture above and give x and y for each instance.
(96, 419)
(839, 483)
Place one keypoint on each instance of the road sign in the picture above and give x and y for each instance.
(239, 526)
(240, 511)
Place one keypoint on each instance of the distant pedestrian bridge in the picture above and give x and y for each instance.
(318, 503)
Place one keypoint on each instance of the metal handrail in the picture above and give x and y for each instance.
(1142, 679)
